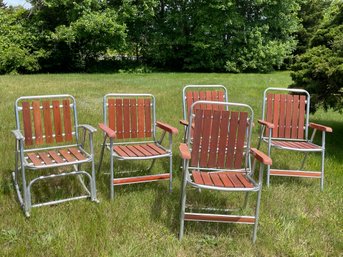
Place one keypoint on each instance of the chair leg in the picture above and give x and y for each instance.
(111, 171)
(246, 198)
(257, 211)
(102, 153)
(322, 169)
(171, 173)
(183, 204)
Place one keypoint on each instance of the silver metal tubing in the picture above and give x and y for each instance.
(258, 205)
(322, 163)
(111, 169)
(269, 154)
(60, 201)
(183, 199)
(102, 152)
(170, 164)
(49, 148)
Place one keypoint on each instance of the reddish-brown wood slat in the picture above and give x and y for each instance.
(141, 117)
(197, 177)
(126, 117)
(35, 160)
(120, 152)
(206, 178)
(205, 140)
(216, 180)
(144, 151)
(225, 179)
(288, 124)
(296, 145)
(197, 136)
(221, 98)
(37, 121)
(301, 116)
(214, 139)
(54, 155)
(47, 122)
(208, 97)
(196, 97)
(231, 140)
(27, 123)
(132, 180)
(128, 151)
(67, 155)
(235, 181)
(214, 97)
(242, 127)
(219, 218)
(57, 121)
(135, 151)
(269, 111)
(282, 118)
(223, 140)
(150, 150)
(111, 114)
(246, 183)
(189, 101)
(156, 148)
(295, 119)
(67, 120)
(202, 97)
(147, 108)
(45, 157)
(276, 114)
(77, 154)
(289, 173)
(119, 118)
(133, 111)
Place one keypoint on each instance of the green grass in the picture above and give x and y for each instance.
(296, 218)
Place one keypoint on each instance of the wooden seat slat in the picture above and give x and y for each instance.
(157, 149)
(197, 177)
(35, 160)
(120, 152)
(142, 150)
(67, 155)
(45, 157)
(135, 151)
(216, 180)
(56, 157)
(243, 179)
(77, 154)
(235, 181)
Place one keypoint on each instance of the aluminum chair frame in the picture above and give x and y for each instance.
(22, 163)
(111, 134)
(189, 179)
(268, 137)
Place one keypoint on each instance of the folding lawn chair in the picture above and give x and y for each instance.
(193, 93)
(284, 126)
(51, 140)
(218, 158)
(130, 125)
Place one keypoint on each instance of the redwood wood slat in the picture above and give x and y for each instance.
(235, 181)
(47, 122)
(119, 118)
(45, 157)
(205, 138)
(244, 181)
(148, 178)
(120, 152)
(111, 114)
(295, 116)
(135, 151)
(57, 121)
(196, 98)
(157, 149)
(77, 154)
(35, 160)
(288, 124)
(67, 155)
(197, 136)
(27, 123)
(214, 97)
(142, 150)
(219, 218)
(221, 98)
(56, 157)
(225, 179)
(126, 109)
(209, 98)
(214, 139)
(301, 116)
(147, 108)
(141, 117)
(133, 111)
(296, 173)
(269, 112)
(240, 139)
(37, 121)
(216, 180)
(127, 151)
(282, 115)
(149, 149)
(67, 120)
(197, 177)
(206, 178)
(232, 140)
(189, 101)
(276, 114)
(225, 115)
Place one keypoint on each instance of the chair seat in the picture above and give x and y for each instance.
(56, 157)
(139, 150)
(222, 179)
(295, 145)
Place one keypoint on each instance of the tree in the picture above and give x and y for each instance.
(320, 69)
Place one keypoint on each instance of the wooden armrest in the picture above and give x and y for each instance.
(18, 135)
(110, 133)
(184, 122)
(266, 123)
(261, 157)
(184, 151)
(320, 127)
(167, 127)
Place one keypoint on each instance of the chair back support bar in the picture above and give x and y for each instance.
(46, 119)
(130, 115)
(221, 137)
(288, 111)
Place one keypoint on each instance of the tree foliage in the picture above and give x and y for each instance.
(320, 69)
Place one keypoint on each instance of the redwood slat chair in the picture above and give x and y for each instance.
(48, 137)
(218, 158)
(130, 134)
(285, 126)
(193, 93)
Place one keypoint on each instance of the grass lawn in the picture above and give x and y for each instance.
(296, 218)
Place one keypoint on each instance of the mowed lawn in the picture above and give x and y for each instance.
(296, 218)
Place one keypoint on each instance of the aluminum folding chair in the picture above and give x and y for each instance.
(130, 134)
(285, 126)
(193, 93)
(218, 158)
(51, 140)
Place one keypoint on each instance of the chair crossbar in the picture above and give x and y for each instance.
(219, 218)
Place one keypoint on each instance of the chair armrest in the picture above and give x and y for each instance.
(320, 127)
(167, 127)
(184, 151)
(90, 128)
(18, 135)
(109, 132)
(266, 123)
(184, 122)
(261, 157)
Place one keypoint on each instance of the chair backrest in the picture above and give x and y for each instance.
(193, 93)
(288, 110)
(47, 119)
(221, 136)
(131, 116)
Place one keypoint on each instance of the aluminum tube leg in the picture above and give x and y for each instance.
(111, 170)
(102, 153)
(269, 154)
(257, 206)
(322, 165)
(183, 202)
(170, 163)
(93, 185)
(246, 200)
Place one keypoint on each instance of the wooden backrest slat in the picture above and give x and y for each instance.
(196, 98)
(147, 109)
(37, 121)
(208, 97)
(295, 114)
(269, 112)
(221, 98)
(301, 116)
(27, 123)
(202, 97)
(288, 124)
(223, 139)
(189, 102)
(232, 140)
(111, 114)
(214, 97)
(198, 119)
(119, 118)
(141, 117)
(276, 113)
(67, 120)
(47, 122)
(242, 129)
(126, 118)
(214, 138)
(57, 121)
(133, 111)
(205, 138)
(282, 118)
